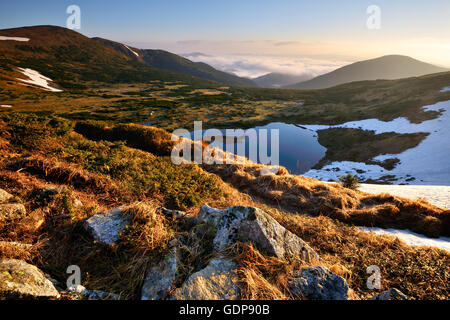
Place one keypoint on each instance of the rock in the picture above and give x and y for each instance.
(173, 213)
(215, 282)
(106, 226)
(252, 224)
(84, 294)
(12, 211)
(318, 283)
(391, 294)
(77, 203)
(160, 279)
(5, 197)
(210, 215)
(20, 280)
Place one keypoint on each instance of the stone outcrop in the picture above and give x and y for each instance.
(106, 226)
(5, 197)
(217, 281)
(254, 225)
(318, 283)
(160, 279)
(20, 280)
(391, 294)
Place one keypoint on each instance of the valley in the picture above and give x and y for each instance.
(87, 179)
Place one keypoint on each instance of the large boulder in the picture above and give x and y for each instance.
(217, 281)
(160, 279)
(106, 226)
(20, 280)
(391, 294)
(12, 211)
(254, 225)
(318, 283)
(5, 197)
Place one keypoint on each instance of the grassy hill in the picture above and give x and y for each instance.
(386, 67)
(71, 59)
(278, 80)
(168, 61)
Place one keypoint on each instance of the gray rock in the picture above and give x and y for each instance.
(20, 280)
(106, 226)
(318, 283)
(391, 294)
(84, 294)
(12, 211)
(217, 281)
(252, 224)
(160, 279)
(210, 215)
(5, 196)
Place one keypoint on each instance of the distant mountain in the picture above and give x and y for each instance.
(169, 61)
(386, 67)
(71, 59)
(278, 80)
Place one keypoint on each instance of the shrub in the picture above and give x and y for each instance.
(349, 181)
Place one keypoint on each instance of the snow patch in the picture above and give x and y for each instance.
(426, 164)
(5, 106)
(437, 195)
(14, 38)
(37, 79)
(412, 238)
(446, 89)
(131, 50)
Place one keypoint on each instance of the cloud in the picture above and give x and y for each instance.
(252, 65)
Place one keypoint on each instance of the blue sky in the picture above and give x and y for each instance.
(327, 28)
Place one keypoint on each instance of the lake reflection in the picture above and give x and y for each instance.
(298, 147)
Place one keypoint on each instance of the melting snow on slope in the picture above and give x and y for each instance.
(131, 50)
(437, 195)
(37, 79)
(428, 163)
(14, 38)
(412, 238)
(446, 89)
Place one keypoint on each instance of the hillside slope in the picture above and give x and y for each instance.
(169, 61)
(386, 67)
(71, 59)
(278, 80)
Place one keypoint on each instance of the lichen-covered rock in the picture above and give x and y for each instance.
(12, 211)
(318, 283)
(160, 279)
(252, 224)
(5, 196)
(217, 281)
(84, 294)
(20, 280)
(391, 294)
(106, 226)
(210, 215)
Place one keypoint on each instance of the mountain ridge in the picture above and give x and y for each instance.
(389, 67)
(166, 60)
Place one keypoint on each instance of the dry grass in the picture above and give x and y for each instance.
(306, 195)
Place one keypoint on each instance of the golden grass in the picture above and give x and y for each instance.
(306, 195)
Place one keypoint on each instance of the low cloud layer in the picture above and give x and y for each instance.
(252, 65)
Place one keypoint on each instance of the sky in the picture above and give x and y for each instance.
(253, 37)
